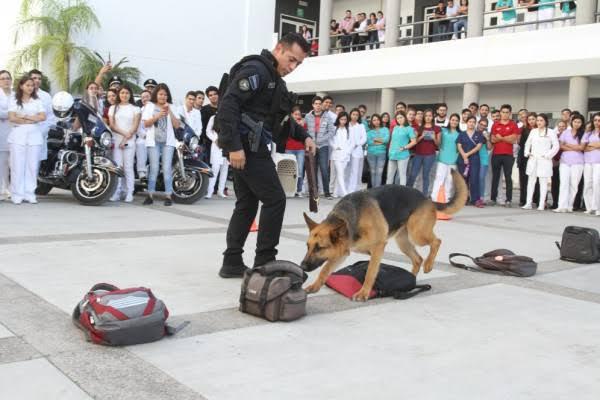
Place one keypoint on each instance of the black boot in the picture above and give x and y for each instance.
(232, 271)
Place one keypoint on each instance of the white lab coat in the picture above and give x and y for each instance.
(4, 147)
(540, 148)
(192, 118)
(359, 139)
(216, 154)
(341, 145)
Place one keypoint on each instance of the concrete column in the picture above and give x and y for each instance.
(584, 13)
(325, 12)
(387, 100)
(475, 18)
(470, 93)
(392, 18)
(578, 94)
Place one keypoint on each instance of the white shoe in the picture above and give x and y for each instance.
(208, 196)
(597, 214)
(115, 197)
(588, 212)
(569, 210)
(142, 175)
(560, 210)
(540, 208)
(32, 200)
(129, 198)
(222, 195)
(527, 207)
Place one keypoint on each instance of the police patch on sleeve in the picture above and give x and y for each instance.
(250, 83)
(244, 84)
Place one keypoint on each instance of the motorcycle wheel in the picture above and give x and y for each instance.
(96, 191)
(43, 188)
(191, 188)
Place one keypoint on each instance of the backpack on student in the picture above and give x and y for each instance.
(580, 245)
(274, 291)
(500, 261)
(391, 281)
(120, 317)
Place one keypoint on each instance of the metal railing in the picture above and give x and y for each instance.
(525, 23)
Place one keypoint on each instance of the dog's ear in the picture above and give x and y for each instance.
(338, 231)
(309, 222)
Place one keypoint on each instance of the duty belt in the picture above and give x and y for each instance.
(256, 133)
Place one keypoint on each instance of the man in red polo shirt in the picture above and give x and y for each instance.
(504, 134)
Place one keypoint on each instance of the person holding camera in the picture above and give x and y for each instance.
(255, 106)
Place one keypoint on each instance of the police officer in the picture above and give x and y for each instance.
(251, 115)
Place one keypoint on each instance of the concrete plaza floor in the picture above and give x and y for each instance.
(473, 336)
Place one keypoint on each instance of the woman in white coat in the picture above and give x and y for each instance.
(541, 146)
(358, 134)
(5, 95)
(341, 146)
(219, 164)
(26, 114)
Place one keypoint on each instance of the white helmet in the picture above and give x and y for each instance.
(62, 104)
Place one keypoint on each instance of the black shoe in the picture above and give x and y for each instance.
(148, 201)
(328, 196)
(230, 271)
(168, 202)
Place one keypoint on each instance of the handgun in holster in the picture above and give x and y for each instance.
(255, 132)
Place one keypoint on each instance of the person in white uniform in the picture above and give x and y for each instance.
(357, 156)
(141, 153)
(191, 115)
(124, 120)
(219, 164)
(5, 95)
(341, 145)
(46, 99)
(26, 114)
(541, 146)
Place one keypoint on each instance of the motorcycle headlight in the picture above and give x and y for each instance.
(105, 139)
(194, 144)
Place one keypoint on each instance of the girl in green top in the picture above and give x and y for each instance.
(403, 139)
(509, 15)
(377, 140)
(447, 158)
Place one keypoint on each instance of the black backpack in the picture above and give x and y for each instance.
(580, 245)
(391, 281)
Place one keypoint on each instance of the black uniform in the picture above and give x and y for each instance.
(255, 89)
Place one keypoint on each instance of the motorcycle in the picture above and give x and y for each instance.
(190, 173)
(77, 158)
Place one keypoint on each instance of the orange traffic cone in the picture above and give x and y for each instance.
(254, 226)
(441, 198)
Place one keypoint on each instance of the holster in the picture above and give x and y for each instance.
(256, 132)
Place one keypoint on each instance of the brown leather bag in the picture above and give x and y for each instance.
(310, 166)
(501, 261)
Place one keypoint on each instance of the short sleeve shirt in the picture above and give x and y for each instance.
(448, 151)
(511, 128)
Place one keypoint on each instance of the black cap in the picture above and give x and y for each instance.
(150, 82)
(115, 79)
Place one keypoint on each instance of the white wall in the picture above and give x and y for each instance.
(188, 44)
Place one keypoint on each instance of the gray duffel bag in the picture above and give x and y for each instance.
(274, 291)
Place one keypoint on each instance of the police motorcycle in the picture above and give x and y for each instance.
(190, 173)
(77, 158)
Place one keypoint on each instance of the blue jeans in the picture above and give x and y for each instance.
(323, 165)
(483, 169)
(300, 164)
(426, 163)
(376, 164)
(154, 154)
(458, 26)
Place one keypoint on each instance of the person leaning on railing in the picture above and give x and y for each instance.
(461, 23)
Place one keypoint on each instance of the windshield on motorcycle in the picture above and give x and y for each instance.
(90, 120)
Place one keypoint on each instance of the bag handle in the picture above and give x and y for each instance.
(398, 295)
(104, 286)
(463, 266)
(281, 266)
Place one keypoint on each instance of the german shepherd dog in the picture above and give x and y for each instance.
(364, 221)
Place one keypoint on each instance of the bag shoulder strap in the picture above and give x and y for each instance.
(463, 266)
(399, 295)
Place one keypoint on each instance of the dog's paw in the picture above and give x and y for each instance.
(361, 295)
(313, 288)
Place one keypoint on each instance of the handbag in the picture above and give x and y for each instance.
(500, 261)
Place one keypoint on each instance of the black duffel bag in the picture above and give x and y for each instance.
(580, 245)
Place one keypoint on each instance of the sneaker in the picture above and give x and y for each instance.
(328, 196)
(527, 207)
(230, 271)
(168, 202)
(16, 201)
(508, 204)
(208, 196)
(560, 210)
(32, 200)
(597, 214)
(540, 208)
(129, 198)
(479, 203)
(491, 203)
(115, 197)
(223, 195)
(569, 210)
(588, 212)
(142, 175)
(148, 201)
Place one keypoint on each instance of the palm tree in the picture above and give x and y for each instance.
(90, 64)
(56, 23)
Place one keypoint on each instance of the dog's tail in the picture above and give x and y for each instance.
(457, 202)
